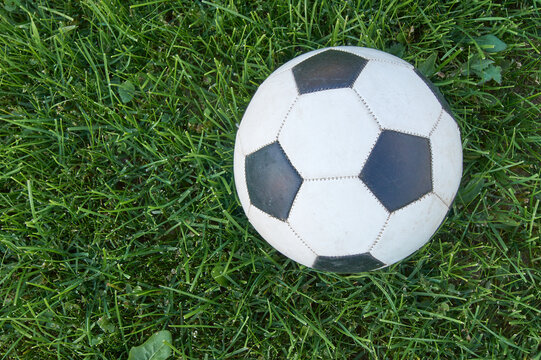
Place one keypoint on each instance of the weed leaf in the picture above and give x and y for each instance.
(484, 69)
(491, 43)
(154, 348)
(126, 91)
(428, 67)
(479, 65)
(491, 73)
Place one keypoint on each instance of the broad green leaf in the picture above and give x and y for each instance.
(491, 73)
(484, 69)
(480, 65)
(126, 91)
(428, 67)
(490, 43)
(155, 348)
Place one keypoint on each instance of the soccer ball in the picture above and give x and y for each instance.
(347, 159)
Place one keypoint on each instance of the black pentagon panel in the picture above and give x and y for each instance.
(347, 264)
(272, 180)
(399, 169)
(330, 69)
(437, 93)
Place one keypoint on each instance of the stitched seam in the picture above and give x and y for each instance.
(266, 213)
(368, 155)
(301, 240)
(291, 162)
(331, 178)
(288, 224)
(360, 70)
(294, 199)
(348, 255)
(407, 66)
(260, 147)
(374, 196)
(291, 68)
(269, 215)
(298, 172)
(300, 175)
(436, 124)
(402, 207)
(363, 101)
(407, 132)
(286, 116)
(414, 201)
(380, 234)
(354, 78)
(441, 199)
(328, 88)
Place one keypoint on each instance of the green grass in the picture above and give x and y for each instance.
(119, 218)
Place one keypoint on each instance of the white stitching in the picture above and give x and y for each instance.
(414, 201)
(436, 124)
(295, 199)
(374, 196)
(288, 159)
(406, 64)
(269, 215)
(363, 101)
(336, 86)
(261, 147)
(407, 132)
(298, 237)
(291, 68)
(369, 153)
(380, 234)
(286, 116)
(283, 221)
(441, 199)
(331, 178)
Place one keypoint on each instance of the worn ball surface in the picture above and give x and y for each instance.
(347, 159)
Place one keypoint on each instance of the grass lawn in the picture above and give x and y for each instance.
(119, 218)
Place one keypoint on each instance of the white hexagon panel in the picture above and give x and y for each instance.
(347, 159)
(446, 158)
(323, 138)
(282, 237)
(340, 216)
(404, 90)
(267, 111)
(409, 228)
